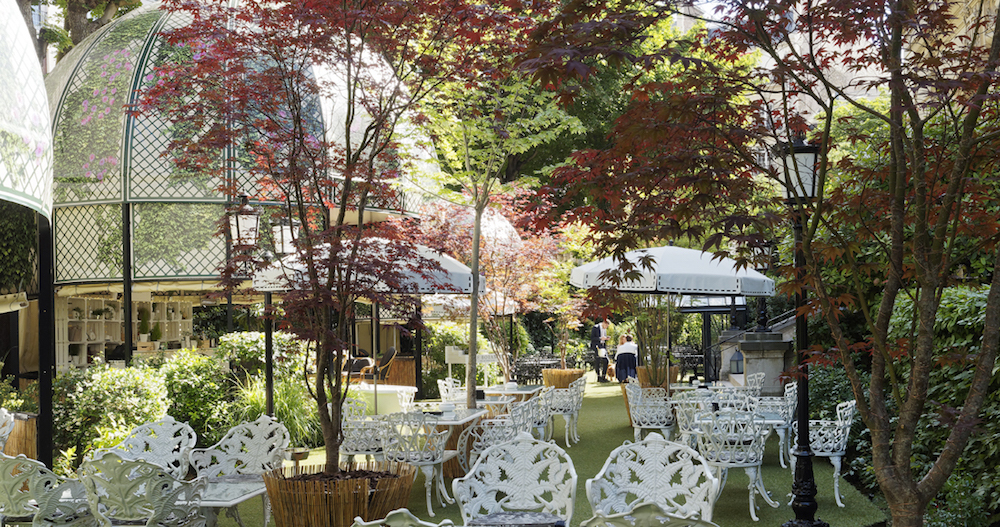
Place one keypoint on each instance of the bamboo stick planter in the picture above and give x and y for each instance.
(335, 503)
(560, 378)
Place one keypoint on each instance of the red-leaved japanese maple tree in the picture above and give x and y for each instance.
(241, 85)
(907, 197)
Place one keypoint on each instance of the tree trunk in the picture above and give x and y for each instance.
(470, 372)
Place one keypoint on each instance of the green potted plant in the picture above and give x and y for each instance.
(78, 313)
(143, 314)
(157, 333)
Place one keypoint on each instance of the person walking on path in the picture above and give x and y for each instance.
(598, 344)
(626, 359)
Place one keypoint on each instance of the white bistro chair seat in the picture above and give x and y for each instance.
(644, 515)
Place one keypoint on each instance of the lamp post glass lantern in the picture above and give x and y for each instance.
(283, 233)
(800, 177)
(244, 224)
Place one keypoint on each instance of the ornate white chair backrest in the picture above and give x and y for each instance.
(755, 383)
(363, 436)
(6, 426)
(405, 399)
(30, 489)
(540, 411)
(353, 409)
(451, 390)
(247, 448)
(475, 439)
(732, 438)
(648, 411)
(828, 437)
(166, 442)
(413, 437)
(525, 474)
(131, 490)
(671, 475)
(400, 518)
(561, 401)
(741, 399)
(644, 515)
(688, 404)
(578, 386)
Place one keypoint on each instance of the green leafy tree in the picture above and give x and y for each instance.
(476, 132)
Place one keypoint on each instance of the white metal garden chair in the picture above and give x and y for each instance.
(567, 402)
(414, 438)
(33, 495)
(540, 416)
(525, 474)
(828, 438)
(122, 490)
(644, 515)
(688, 405)
(475, 439)
(735, 439)
(451, 390)
(165, 442)
(670, 475)
(247, 448)
(649, 409)
(363, 437)
(780, 410)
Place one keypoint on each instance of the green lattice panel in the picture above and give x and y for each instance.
(151, 174)
(176, 240)
(89, 126)
(88, 243)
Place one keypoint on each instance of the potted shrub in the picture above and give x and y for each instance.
(156, 333)
(563, 323)
(143, 314)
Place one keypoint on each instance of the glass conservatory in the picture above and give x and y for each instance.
(130, 234)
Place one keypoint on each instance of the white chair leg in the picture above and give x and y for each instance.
(782, 451)
(567, 418)
(836, 479)
(638, 434)
(429, 478)
(442, 490)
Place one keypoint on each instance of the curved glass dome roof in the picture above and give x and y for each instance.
(108, 168)
(25, 144)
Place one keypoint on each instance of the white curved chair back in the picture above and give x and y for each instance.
(755, 383)
(33, 494)
(451, 390)
(353, 409)
(130, 490)
(650, 409)
(414, 438)
(540, 413)
(400, 518)
(525, 474)
(644, 515)
(670, 475)
(363, 438)
(247, 448)
(165, 442)
(732, 438)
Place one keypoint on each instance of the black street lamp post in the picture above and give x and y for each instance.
(800, 185)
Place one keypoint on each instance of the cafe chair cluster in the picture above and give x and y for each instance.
(33, 495)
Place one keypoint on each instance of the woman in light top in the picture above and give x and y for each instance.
(626, 358)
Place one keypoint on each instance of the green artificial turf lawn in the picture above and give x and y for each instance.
(604, 426)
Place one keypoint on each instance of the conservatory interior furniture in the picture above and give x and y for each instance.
(649, 409)
(414, 438)
(382, 370)
(670, 475)
(247, 448)
(165, 442)
(122, 490)
(525, 474)
(780, 411)
(731, 438)
(33, 495)
(828, 438)
(644, 515)
(400, 518)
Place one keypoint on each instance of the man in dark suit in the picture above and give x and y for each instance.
(598, 344)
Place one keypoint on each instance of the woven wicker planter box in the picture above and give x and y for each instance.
(561, 378)
(326, 503)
